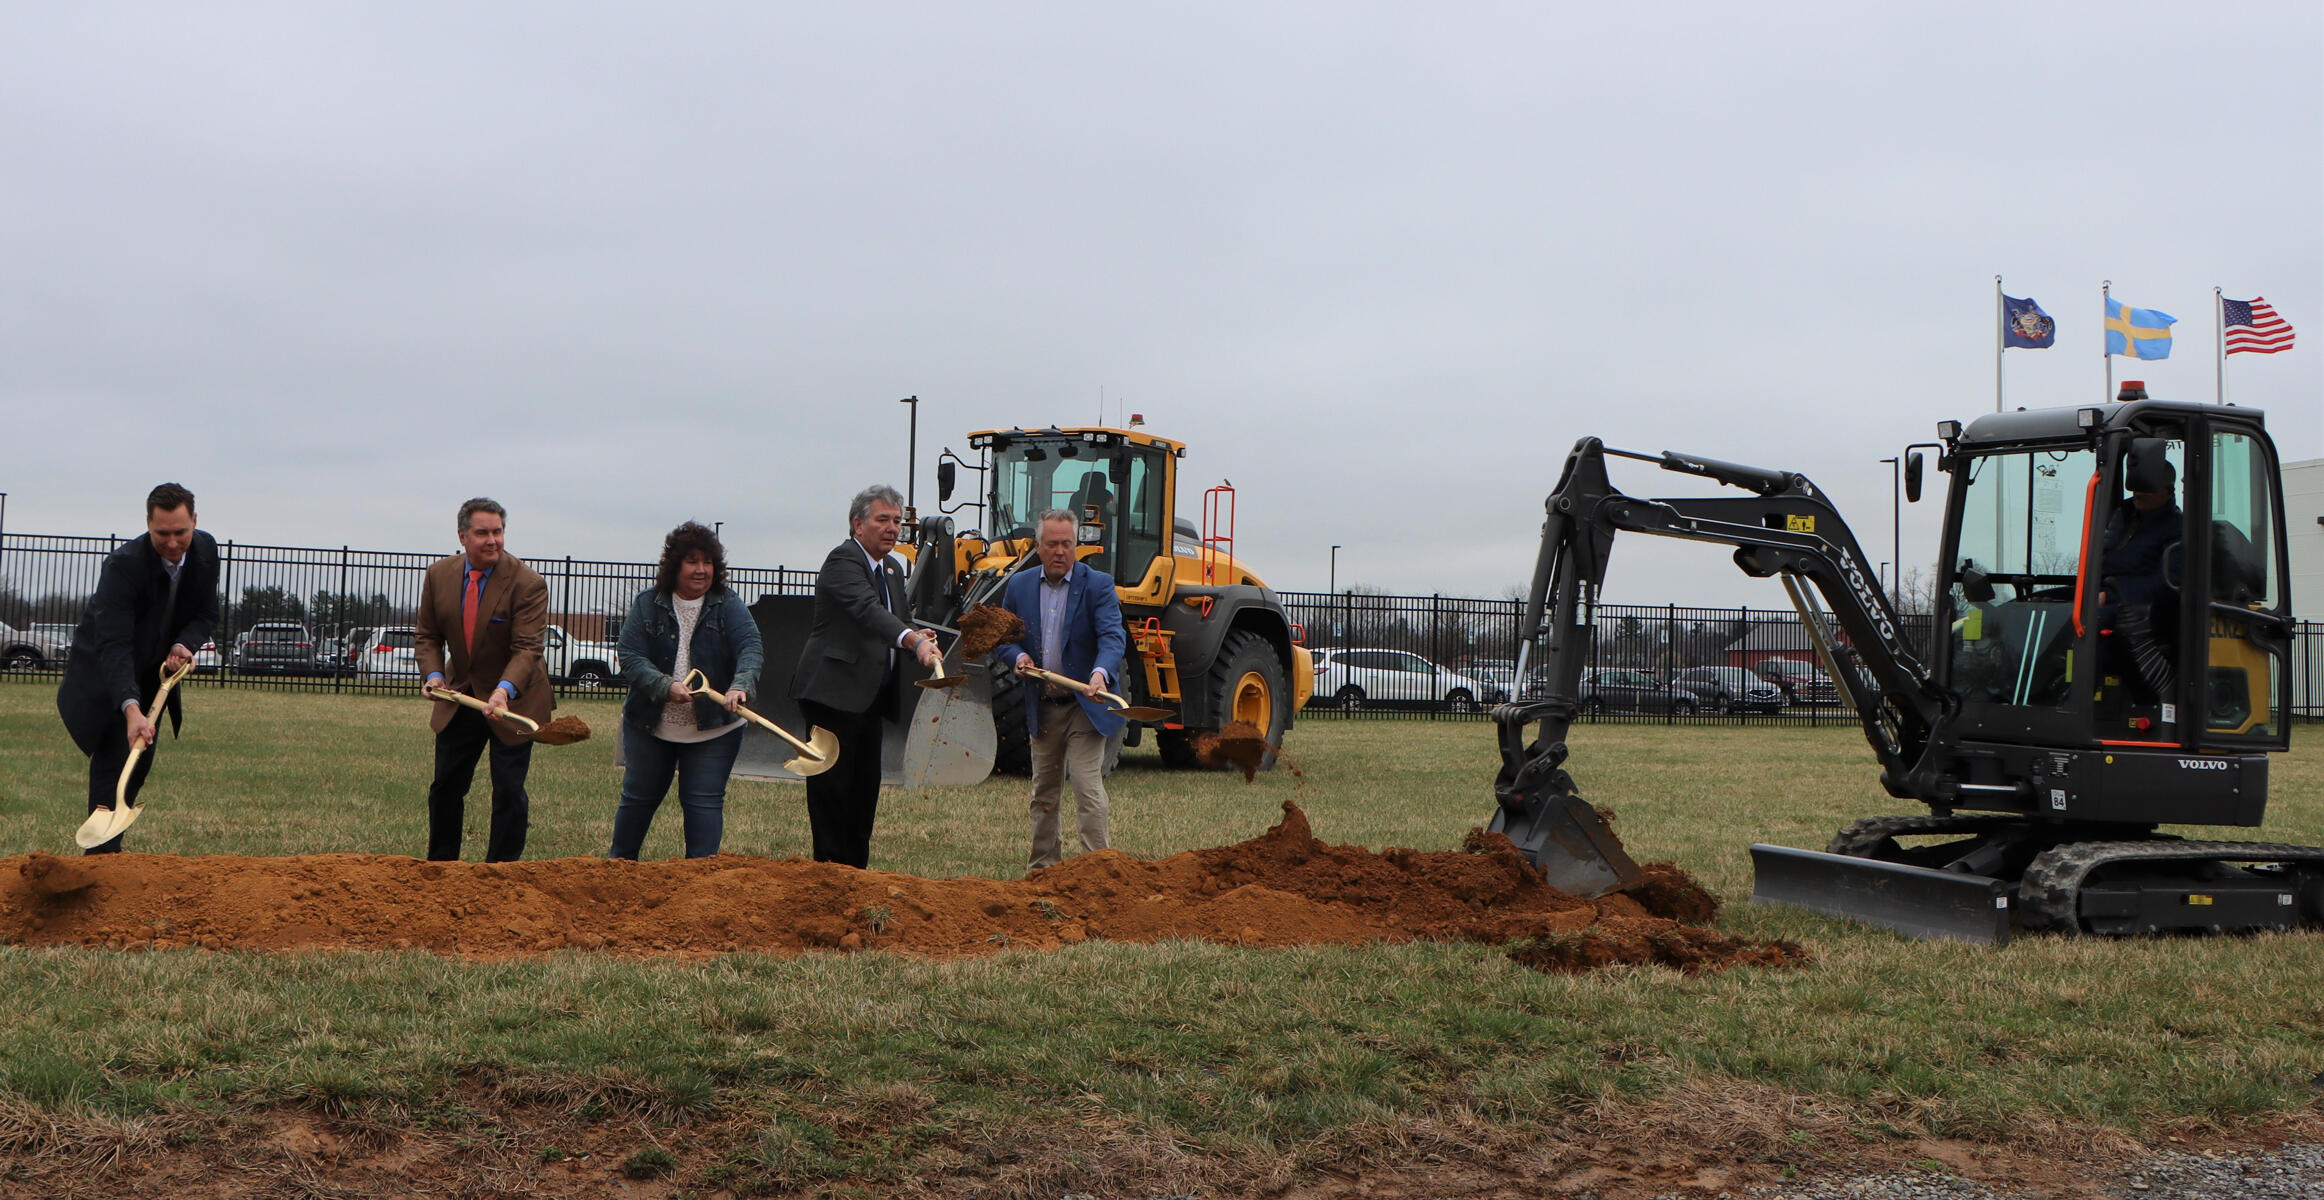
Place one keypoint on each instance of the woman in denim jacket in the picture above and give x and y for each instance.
(689, 620)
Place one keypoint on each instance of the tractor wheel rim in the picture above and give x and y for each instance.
(1253, 704)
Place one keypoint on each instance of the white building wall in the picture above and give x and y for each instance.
(2304, 532)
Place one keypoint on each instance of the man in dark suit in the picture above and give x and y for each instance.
(1073, 627)
(481, 619)
(157, 599)
(846, 679)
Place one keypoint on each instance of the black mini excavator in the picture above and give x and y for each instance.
(2110, 654)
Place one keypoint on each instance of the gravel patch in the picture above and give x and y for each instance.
(2294, 1172)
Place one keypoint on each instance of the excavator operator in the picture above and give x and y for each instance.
(2135, 600)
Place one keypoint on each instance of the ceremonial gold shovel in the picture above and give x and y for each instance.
(550, 735)
(816, 754)
(105, 824)
(1133, 712)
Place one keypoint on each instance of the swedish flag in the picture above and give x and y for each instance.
(2137, 332)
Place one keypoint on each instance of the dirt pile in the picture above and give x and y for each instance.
(987, 626)
(1283, 888)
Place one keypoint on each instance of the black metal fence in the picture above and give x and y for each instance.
(354, 609)
(1442, 657)
(1451, 657)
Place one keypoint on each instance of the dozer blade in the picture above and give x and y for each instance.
(1563, 836)
(1914, 901)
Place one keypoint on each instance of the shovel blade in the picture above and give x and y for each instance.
(1140, 712)
(1914, 901)
(823, 747)
(1563, 835)
(105, 824)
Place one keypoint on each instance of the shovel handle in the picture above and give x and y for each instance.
(160, 697)
(1085, 688)
(467, 701)
(699, 684)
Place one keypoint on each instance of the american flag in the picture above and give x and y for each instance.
(2253, 326)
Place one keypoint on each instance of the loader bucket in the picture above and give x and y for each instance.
(949, 741)
(1563, 835)
(1914, 901)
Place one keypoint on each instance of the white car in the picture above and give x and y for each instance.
(30, 650)
(568, 659)
(1350, 679)
(583, 664)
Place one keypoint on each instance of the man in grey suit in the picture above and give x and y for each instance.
(846, 678)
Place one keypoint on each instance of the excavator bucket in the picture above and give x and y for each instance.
(1914, 901)
(1564, 836)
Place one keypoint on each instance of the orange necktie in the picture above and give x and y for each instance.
(468, 607)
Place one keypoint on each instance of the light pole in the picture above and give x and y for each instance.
(911, 449)
(1335, 566)
(717, 527)
(1895, 523)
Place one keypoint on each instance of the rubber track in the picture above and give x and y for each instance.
(1862, 838)
(2049, 896)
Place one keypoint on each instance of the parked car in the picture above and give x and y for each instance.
(1732, 689)
(1354, 678)
(1801, 683)
(60, 630)
(207, 660)
(568, 659)
(275, 648)
(27, 650)
(1627, 689)
(582, 664)
(386, 650)
(1502, 671)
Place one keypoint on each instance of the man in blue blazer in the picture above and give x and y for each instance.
(1073, 627)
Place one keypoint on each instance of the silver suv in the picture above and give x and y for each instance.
(29, 650)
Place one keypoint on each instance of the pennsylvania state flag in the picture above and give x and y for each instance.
(2137, 332)
(2025, 326)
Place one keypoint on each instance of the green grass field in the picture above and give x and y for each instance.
(1106, 1068)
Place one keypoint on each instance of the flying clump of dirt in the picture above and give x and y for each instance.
(1282, 888)
(986, 626)
(1238, 745)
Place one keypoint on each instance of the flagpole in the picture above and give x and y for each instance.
(2219, 359)
(2105, 291)
(2000, 319)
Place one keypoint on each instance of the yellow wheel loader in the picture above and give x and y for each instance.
(1208, 639)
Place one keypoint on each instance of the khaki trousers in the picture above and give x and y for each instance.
(1067, 744)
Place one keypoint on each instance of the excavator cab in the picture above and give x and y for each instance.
(2088, 599)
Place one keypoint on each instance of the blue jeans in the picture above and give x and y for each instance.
(701, 769)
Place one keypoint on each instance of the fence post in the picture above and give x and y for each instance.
(1435, 649)
(226, 609)
(344, 628)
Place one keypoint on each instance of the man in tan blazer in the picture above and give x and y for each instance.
(482, 614)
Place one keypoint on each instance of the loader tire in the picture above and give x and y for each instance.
(1012, 742)
(1247, 683)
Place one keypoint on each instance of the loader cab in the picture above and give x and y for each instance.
(1118, 484)
(2113, 576)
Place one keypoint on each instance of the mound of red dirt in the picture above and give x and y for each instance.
(1283, 888)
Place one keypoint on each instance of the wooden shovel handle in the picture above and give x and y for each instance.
(699, 684)
(467, 701)
(160, 697)
(1084, 687)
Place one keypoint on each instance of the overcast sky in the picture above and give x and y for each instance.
(339, 267)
